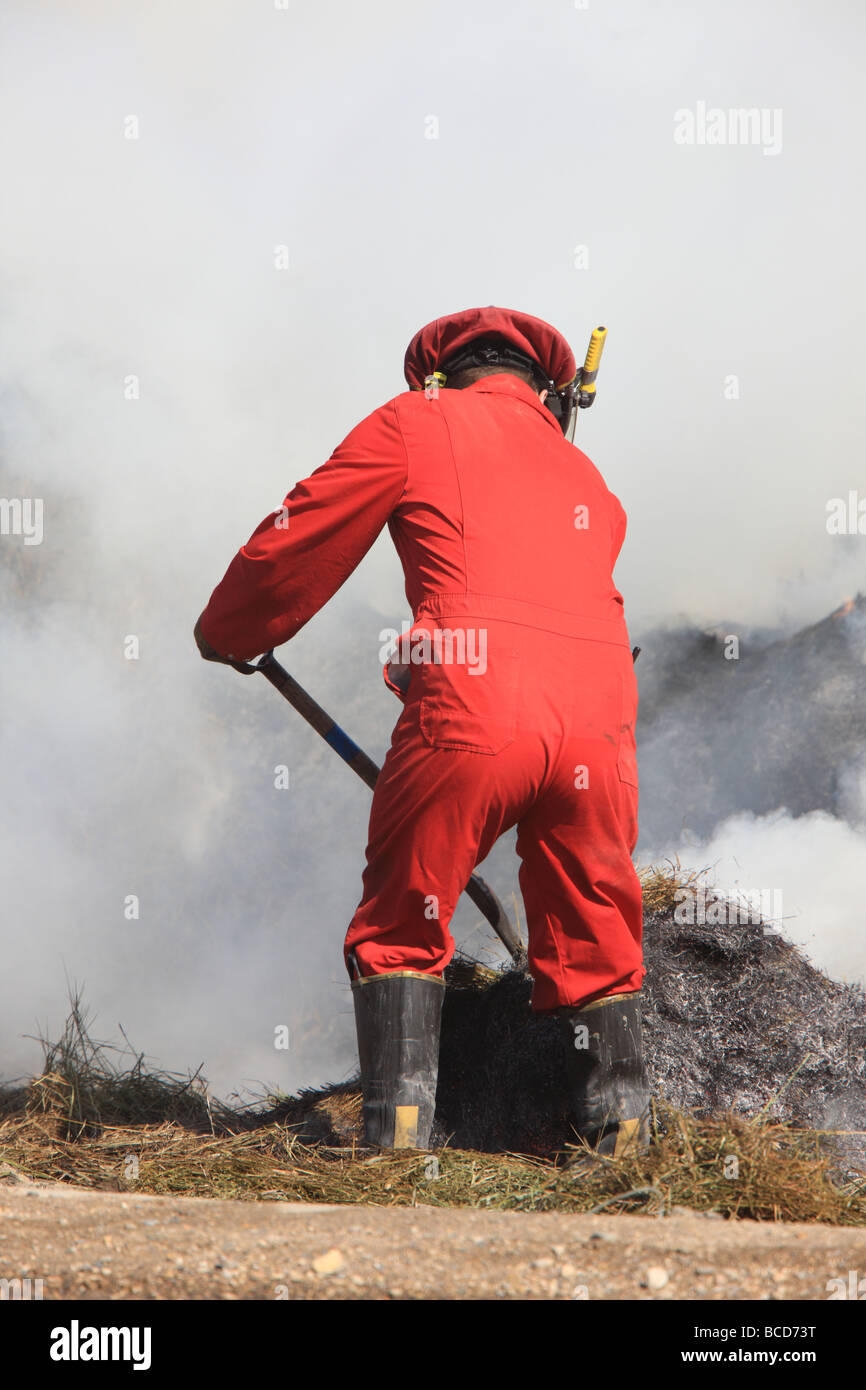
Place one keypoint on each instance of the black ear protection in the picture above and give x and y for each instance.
(493, 352)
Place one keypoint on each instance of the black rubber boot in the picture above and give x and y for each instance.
(608, 1083)
(397, 1016)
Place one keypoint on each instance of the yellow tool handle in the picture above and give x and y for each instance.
(593, 359)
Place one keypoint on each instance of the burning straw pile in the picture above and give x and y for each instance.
(754, 1057)
(735, 1018)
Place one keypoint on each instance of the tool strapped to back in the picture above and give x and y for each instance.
(562, 400)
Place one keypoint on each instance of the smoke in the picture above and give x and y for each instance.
(755, 768)
(810, 867)
(164, 382)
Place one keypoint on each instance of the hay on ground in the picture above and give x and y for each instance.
(758, 1064)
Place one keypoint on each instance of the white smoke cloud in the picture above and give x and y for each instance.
(815, 863)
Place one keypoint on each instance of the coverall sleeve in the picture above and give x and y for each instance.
(298, 557)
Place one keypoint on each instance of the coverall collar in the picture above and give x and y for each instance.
(505, 384)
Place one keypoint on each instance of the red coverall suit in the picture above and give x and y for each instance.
(508, 537)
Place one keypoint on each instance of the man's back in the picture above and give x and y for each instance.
(502, 517)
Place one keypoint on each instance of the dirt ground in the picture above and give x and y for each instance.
(86, 1245)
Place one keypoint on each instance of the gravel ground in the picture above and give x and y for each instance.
(94, 1245)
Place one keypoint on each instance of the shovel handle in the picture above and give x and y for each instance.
(318, 718)
(480, 893)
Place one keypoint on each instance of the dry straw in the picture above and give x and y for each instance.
(730, 1013)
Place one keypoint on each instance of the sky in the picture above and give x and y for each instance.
(222, 225)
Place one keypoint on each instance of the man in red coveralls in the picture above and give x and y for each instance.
(519, 704)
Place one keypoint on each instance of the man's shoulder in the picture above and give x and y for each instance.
(409, 401)
(407, 412)
(379, 424)
(390, 411)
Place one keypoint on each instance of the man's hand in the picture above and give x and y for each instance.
(209, 654)
(206, 649)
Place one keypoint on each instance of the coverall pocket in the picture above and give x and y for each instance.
(469, 703)
(626, 759)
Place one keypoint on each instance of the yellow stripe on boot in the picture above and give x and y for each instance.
(627, 1137)
(405, 1126)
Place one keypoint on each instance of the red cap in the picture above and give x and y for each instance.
(438, 341)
